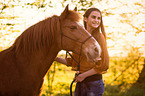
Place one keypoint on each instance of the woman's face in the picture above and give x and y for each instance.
(94, 20)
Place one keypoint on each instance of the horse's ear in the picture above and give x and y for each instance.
(75, 9)
(65, 12)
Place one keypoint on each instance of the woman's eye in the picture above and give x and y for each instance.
(73, 27)
(99, 18)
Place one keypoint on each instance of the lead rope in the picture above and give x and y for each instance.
(76, 74)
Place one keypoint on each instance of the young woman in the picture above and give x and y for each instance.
(89, 81)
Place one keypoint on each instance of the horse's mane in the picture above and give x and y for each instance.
(41, 34)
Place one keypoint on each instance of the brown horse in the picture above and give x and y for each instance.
(24, 64)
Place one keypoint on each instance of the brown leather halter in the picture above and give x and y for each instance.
(83, 42)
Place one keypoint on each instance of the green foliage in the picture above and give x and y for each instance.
(125, 70)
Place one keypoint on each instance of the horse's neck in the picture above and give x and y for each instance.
(47, 60)
(38, 64)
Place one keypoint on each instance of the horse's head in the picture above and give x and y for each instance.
(75, 38)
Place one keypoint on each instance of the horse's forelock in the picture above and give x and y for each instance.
(73, 15)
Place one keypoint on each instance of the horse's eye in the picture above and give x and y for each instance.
(73, 27)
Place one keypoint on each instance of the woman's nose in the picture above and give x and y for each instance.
(96, 19)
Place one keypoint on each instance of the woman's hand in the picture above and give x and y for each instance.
(80, 78)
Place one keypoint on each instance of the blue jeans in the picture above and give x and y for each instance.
(93, 88)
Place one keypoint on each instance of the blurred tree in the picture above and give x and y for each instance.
(139, 28)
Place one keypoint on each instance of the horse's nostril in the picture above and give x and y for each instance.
(96, 49)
